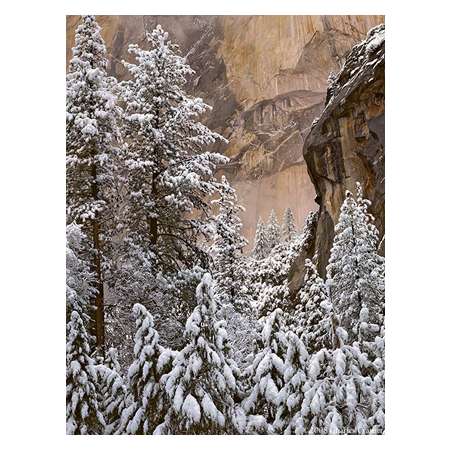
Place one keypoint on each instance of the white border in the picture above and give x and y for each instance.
(32, 223)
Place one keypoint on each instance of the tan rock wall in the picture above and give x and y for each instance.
(267, 56)
(266, 78)
(289, 188)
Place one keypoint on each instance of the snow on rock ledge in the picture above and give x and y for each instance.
(346, 145)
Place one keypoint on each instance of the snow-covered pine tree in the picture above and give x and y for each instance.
(146, 402)
(268, 278)
(266, 376)
(201, 384)
(256, 347)
(355, 271)
(169, 174)
(91, 139)
(288, 229)
(273, 292)
(112, 390)
(338, 395)
(313, 312)
(241, 330)
(291, 395)
(376, 413)
(231, 351)
(80, 281)
(227, 249)
(261, 243)
(232, 295)
(273, 230)
(83, 414)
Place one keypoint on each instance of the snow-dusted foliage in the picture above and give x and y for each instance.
(267, 278)
(80, 281)
(273, 230)
(169, 173)
(201, 384)
(83, 413)
(92, 139)
(91, 125)
(376, 415)
(288, 228)
(227, 249)
(313, 312)
(112, 391)
(242, 330)
(261, 243)
(339, 395)
(146, 402)
(166, 224)
(356, 271)
(266, 375)
(229, 264)
(291, 395)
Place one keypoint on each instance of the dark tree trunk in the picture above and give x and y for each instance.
(99, 298)
(153, 223)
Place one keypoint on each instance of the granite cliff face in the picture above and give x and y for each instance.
(346, 145)
(266, 78)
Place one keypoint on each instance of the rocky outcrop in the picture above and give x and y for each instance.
(346, 145)
(266, 79)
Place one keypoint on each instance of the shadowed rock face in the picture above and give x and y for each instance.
(266, 79)
(346, 146)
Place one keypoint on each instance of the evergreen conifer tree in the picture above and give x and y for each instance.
(80, 281)
(227, 248)
(291, 395)
(169, 173)
(112, 390)
(355, 271)
(266, 376)
(273, 230)
(288, 229)
(261, 243)
(268, 278)
(201, 384)
(338, 395)
(91, 150)
(146, 402)
(83, 414)
(313, 312)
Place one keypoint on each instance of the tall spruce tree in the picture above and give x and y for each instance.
(288, 229)
(83, 412)
(266, 376)
(268, 278)
(261, 243)
(112, 390)
(273, 230)
(80, 280)
(228, 247)
(338, 393)
(202, 384)
(313, 312)
(146, 403)
(91, 148)
(169, 173)
(291, 394)
(355, 271)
